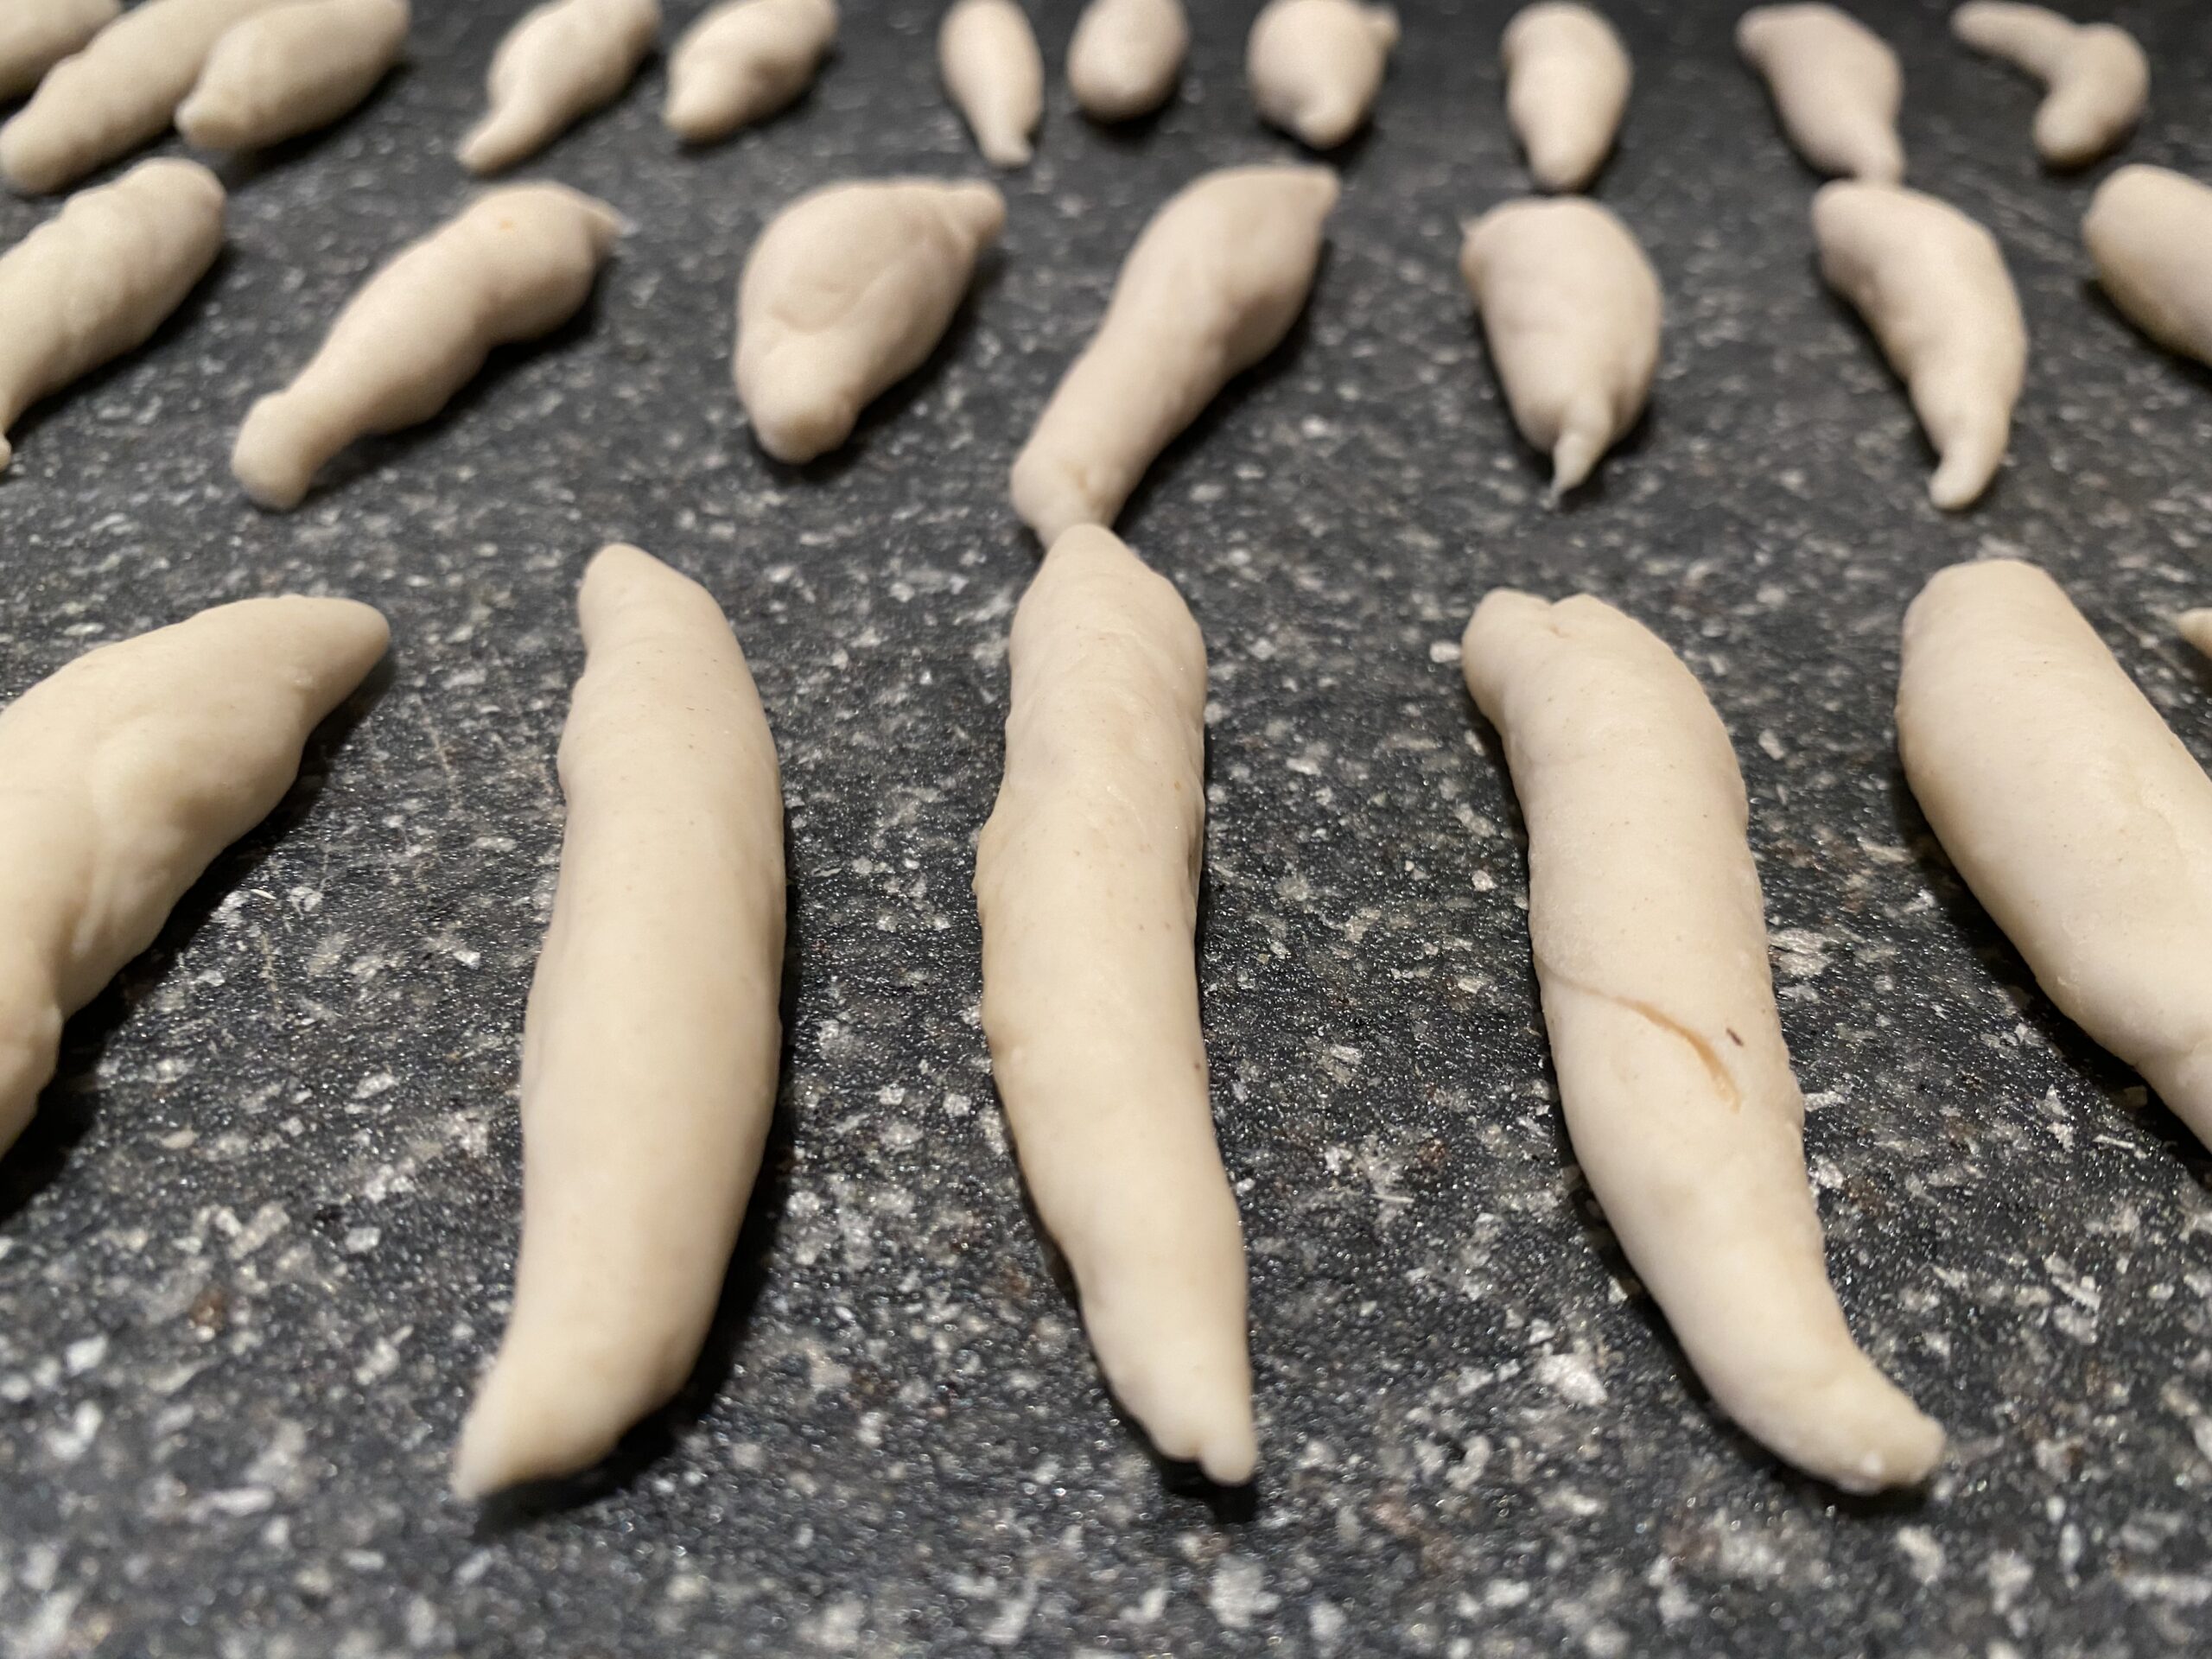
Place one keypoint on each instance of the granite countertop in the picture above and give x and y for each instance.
(257, 1244)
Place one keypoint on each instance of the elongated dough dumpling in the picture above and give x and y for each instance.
(1932, 285)
(119, 92)
(97, 279)
(2099, 79)
(1087, 883)
(846, 292)
(1211, 286)
(292, 69)
(2149, 229)
(1651, 955)
(650, 1046)
(515, 264)
(2077, 817)
(1836, 87)
(1566, 84)
(1126, 56)
(36, 34)
(564, 59)
(2197, 628)
(1315, 67)
(987, 54)
(743, 62)
(1571, 308)
(125, 774)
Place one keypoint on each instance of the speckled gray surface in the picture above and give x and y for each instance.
(256, 1246)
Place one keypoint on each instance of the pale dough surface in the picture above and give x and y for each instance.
(565, 59)
(1566, 85)
(36, 34)
(2098, 78)
(1837, 87)
(2147, 230)
(743, 62)
(1126, 55)
(987, 55)
(291, 70)
(1316, 66)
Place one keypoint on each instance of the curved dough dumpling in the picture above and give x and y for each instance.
(1645, 920)
(2148, 231)
(846, 292)
(125, 774)
(745, 61)
(1566, 85)
(36, 34)
(2099, 79)
(1315, 65)
(291, 70)
(987, 54)
(1836, 85)
(564, 59)
(1126, 56)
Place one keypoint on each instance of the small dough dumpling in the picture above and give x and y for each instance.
(292, 70)
(2099, 79)
(1315, 67)
(36, 34)
(1566, 85)
(846, 292)
(1572, 309)
(987, 54)
(564, 59)
(2149, 231)
(2197, 628)
(744, 61)
(1126, 55)
(1932, 285)
(1837, 87)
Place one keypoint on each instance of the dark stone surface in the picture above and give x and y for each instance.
(258, 1245)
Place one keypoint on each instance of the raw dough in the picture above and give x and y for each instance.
(1126, 56)
(36, 34)
(651, 1046)
(2099, 79)
(2150, 233)
(1836, 87)
(1566, 85)
(2197, 628)
(987, 54)
(848, 292)
(743, 62)
(1315, 67)
(1651, 954)
(291, 70)
(514, 265)
(125, 774)
(1932, 285)
(564, 59)
(1212, 285)
(1571, 308)
(1087, 883)
(97, 279)
(119, 92)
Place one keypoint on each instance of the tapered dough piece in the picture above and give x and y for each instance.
(1211, 286)
(1315, 67)
(987, 54)
(36, 34)
(1126, 55)
(1566, 85)
(846, 294)
(118, 93)
(1571, 308)
(97, 279)
(2099, 79)
(2077, 817)
(2197, 628)
(1651, 956)
(1836, 86)
(743, 62)
(651, 1046)
(514, 265)
(564, 59)
(125, 774)
(1087, 884)
(291, 70)
(1932, 285)
(2148, 231)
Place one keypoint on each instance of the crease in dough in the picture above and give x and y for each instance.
(1087, 885)
(118, 94)
(1932, 285)
(2196, 627)
(1572, 309)
(2099, 79)
(1212, 284)
(1566, 84)
(1126, 56)
(121, 777)
(2077, 817)
(1316, 66)
(987, 54)
(743, 62)
(512, 266)
(1836, 86)
(1649, 939)
(846, 294)
(563, 60)
(293, 69)
(652, 1043)
(97, 279)
(2147, 230)
(36, 34)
